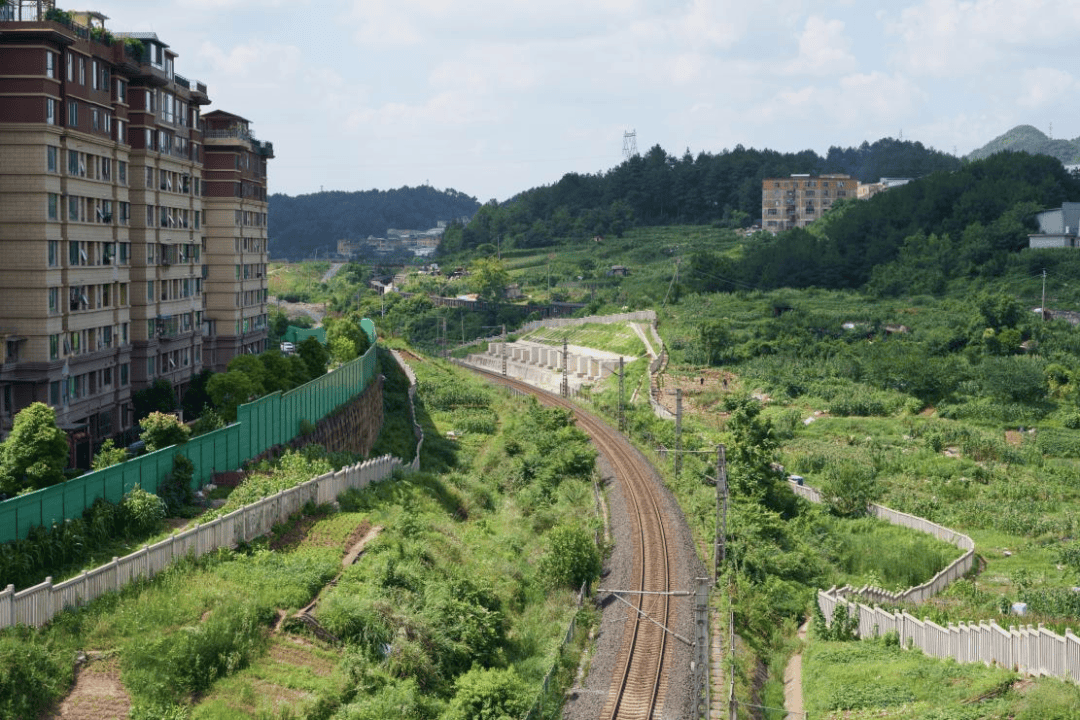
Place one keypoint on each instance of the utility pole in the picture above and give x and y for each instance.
(1042, 308)
(622, 394)
(678, 431)
(565, 371)
(720, 546)
(504, 351)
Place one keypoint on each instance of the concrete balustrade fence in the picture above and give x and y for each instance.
(38, 604)
(955, 570)
(1026, 649)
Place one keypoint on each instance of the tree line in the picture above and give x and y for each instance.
(911, 239)
(300, 225)
(660, 189)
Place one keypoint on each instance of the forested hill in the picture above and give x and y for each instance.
(298, 225)
(1025, 138)
(659, 189)
(910, 240)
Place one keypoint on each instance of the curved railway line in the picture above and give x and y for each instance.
(639, 682)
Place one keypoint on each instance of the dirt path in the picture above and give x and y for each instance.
(793, 699)
(97, 694)
(334, 267)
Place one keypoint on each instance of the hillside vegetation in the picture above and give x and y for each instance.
(303, 224)
(660, 189)
(1025, 138)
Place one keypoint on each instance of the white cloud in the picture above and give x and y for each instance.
(823, 49)
(1045, 86)
(955, 38)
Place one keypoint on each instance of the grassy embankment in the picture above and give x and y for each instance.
(451, 578)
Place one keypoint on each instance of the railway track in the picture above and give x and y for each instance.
(639, 681)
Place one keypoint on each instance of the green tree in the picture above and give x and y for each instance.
(278, 323)
(196, 399)
(160, 430)
(159, 397)
(315, 357)
(488, 278)
(345, 338)
(251, 366)
(229, 390)
(572, 557)
(108, 455)
(35, 453)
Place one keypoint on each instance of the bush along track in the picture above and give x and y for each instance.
(460, 602)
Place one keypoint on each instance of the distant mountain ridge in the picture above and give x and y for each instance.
(1025, 138)
(303, 224)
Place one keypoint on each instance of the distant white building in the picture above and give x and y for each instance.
(1059, 228)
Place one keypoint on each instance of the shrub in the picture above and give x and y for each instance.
(108, 456)
(572, 558)
(175, 489)
(484, 694)
(143, 512)
(166, 668)
(32, 676)
(160, 430)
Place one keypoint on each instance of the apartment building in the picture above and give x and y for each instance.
(236, 241)
(103, 229)
(799, 200)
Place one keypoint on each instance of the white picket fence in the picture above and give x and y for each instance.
(1026, 649)
(38, 604)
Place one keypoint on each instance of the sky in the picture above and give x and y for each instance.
(492, 97)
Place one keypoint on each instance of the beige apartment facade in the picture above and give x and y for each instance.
(236, 241)
(799, 200)
(104, 225)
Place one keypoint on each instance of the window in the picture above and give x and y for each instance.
(106, 377)
(82, 71)
(94, 76)
(54, 300)
(121, 90)
(70, 67)
(150, 291)
(125, 213)
(54, 253)
(196, 219)
(121, 171)
(54, 205)
(54, 347)
(95, 119)
(73, 211)
(52, 158)
(73, 114)
(150, 366)
(121, 131)
(124, 371)
(123, 290)
(123, 334)
(54, 392)
(50, 111)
